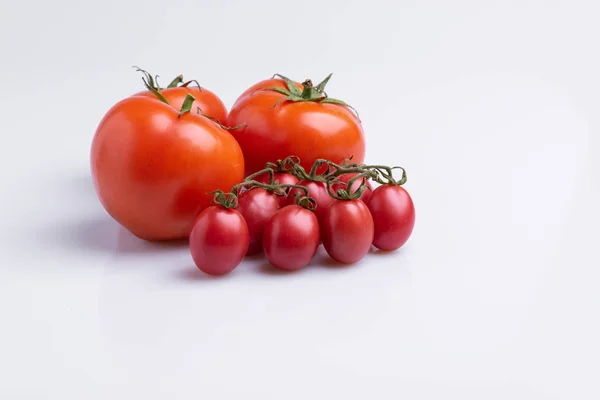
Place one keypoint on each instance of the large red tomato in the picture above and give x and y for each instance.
(282, 118)
(153, 168)
(205, 100)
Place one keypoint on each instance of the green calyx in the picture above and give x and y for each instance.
(216, 120)
(285, 165)
(385, 175)
(305, 202)
(309, 92)
(151, 83)
(225, 200)
(302, 197)
(230, 200)
(337, 189)
(186, 107)
(274, 187)
(178, 79)
(347, 193)
(381, 174)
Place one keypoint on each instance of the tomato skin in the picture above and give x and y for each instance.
(281, 177)
(152, 171)
(317, 190)
(345, 178)
(219, 240)
(393, 212)
(257, 206)
(291, 238)
(207, 101)
(347, 230)
(309, 130)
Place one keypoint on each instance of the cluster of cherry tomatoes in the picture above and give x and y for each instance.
(287, 212)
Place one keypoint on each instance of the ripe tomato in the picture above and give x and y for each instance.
(393, 212)
(347, 230)
(153, 170)
(284, 178)
(345, 178)
(257, 205)
(291, 238)
(219, 240)
(208, 102)
(317, 190)
(305, 127)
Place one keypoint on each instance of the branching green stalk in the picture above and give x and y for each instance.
(309, 93)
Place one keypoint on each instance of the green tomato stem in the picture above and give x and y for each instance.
(285, 165)
(178, 79)
(225, 200)
(186, 107)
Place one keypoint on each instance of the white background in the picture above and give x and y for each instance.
(492, 107)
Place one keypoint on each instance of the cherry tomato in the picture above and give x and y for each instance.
(219, 240)
(291, 238)
(257, 205)
(345, 178)
(347, 230)
(152, 170)
(393, 212)
(307, 129)
(281, 177)
(317, 190)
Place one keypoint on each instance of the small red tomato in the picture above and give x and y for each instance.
(291, 238)
(317, 190)
(393, 212)
(219, 240)
(347, 230)
(345, 178)
(283, 178)
(257, 205)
